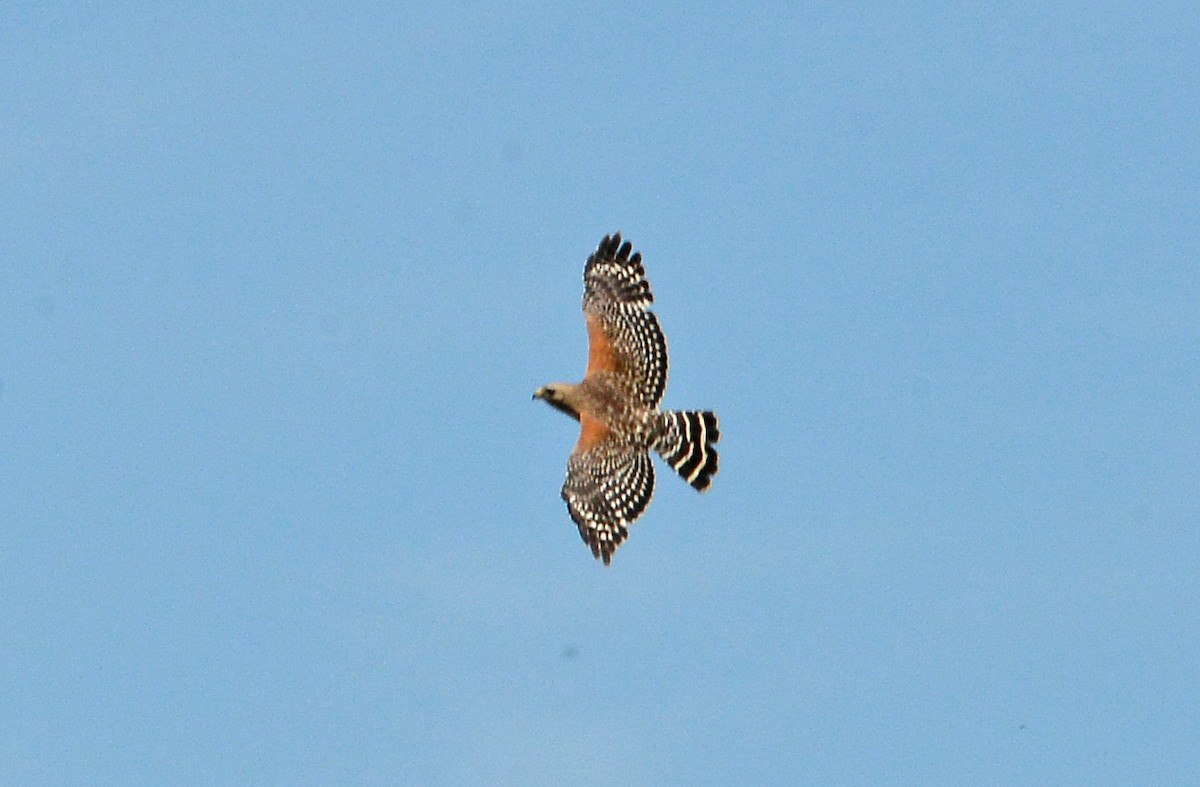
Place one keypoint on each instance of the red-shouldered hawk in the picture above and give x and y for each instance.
(609, 475)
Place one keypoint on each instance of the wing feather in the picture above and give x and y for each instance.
(623, 335)
(607, 488)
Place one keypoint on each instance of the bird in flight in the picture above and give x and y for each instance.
(609, 475)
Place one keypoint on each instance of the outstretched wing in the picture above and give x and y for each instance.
(623, 336)
(608, 486)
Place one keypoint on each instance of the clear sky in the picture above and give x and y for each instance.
(277, 281)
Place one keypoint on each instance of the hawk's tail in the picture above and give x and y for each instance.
(686, 440)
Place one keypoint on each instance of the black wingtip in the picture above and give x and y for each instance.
(609, 248)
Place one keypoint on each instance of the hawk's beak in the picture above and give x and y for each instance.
(539, 393)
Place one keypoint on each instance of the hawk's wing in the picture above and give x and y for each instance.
(623, 337)
(608, 486)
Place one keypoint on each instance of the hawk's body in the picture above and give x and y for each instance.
(609, 475)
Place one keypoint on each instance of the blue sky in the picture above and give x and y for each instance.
(278, 282)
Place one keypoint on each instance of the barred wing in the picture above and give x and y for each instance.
(623, 336)
(608, 486)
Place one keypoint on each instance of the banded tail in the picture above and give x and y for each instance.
(687, 441)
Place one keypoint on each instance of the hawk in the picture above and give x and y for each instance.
(609, 475)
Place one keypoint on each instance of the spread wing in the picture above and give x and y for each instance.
(623, 335)
(608, 486)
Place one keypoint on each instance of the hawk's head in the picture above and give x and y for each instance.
(558, 396)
